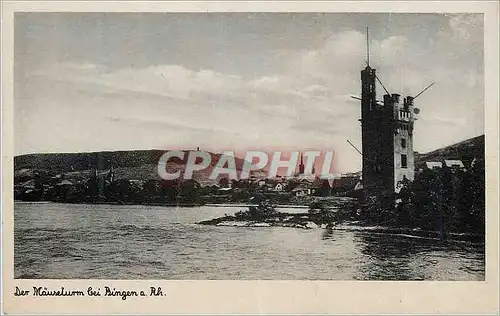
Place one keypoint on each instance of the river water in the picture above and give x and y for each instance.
(77, 241)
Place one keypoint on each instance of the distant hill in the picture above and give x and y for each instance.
(136, 164)
(64, 162)
(465, 150)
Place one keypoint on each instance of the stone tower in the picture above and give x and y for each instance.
(387, 137)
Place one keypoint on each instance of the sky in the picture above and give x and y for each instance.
(238, 81)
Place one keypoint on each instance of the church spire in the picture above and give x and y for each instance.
(301, 166)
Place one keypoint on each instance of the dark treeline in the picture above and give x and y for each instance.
(443, 199)
(90, 187)
(104, 189)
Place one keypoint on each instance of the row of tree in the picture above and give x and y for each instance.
(122, 190)
(442, 199)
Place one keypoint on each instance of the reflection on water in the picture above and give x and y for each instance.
(407, 258)
(145, 242)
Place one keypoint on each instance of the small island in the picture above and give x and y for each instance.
(264, 214)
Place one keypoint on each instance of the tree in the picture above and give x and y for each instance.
(224, 182)
(189, 191)
(320, 214)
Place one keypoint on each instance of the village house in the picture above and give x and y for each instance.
(304, 189)
(280, 187)
(454, 164)
(345, 185)
(433, 165)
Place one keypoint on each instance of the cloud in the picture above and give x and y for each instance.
(466, 27)
(304, 103)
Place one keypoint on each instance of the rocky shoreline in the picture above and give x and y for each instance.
(314, 221)
(295, 220)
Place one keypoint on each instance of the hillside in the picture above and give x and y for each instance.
(65, 162)
(465, 150)
(137, 164)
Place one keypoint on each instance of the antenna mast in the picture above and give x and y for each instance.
(423, 91)
(367, 47)
(359, 151)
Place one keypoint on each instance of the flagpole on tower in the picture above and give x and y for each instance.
(367, 47)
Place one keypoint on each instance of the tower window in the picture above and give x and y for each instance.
(403, 142)
(404, 161)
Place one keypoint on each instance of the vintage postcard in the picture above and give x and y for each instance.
(249, 157)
